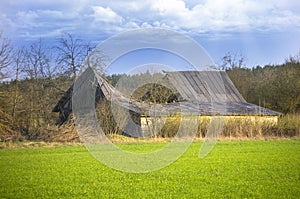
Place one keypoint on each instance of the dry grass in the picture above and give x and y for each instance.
(29, 144)
(124, 139)
(287, 127)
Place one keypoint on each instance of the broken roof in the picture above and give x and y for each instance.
(203, 93)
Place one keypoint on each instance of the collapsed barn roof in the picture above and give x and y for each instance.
(202, 93)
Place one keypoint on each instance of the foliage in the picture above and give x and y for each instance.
(276, 87)
(31, 116)
(244, 169)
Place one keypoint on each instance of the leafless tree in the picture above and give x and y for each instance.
(293, 59)
(96, 60)
(36, 62)
(5, 55)
(71, 52)
(35, 65)
(18, 60)
(231, 60)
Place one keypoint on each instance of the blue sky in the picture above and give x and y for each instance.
(263, 31)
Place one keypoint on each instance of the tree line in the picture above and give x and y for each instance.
(40, 74)
(276, 87)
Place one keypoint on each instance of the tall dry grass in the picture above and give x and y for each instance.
(242, 126)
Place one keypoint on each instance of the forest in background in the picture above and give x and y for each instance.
(41, 74)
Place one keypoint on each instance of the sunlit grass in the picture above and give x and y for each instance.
(245, 169)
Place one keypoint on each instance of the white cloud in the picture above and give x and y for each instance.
(207, 15)
(106, 15)
(170, 7)
(114, 16)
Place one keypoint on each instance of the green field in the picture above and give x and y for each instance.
(244, 169)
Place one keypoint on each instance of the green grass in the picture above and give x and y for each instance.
(245, 169)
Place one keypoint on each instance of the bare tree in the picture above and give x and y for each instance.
(36, 62)
(35, 65)
(71, 52)
(97, 60)
(230, 61)
(293, 59)
(5, 55)
(18, 60)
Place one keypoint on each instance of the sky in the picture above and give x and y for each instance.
(262, 31)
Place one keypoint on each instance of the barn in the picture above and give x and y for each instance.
(202, 93)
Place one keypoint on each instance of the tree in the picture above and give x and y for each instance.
(36, 66)
(293, 59)
(5, 55)
(230, 61)
(71, 52)
(18, 60)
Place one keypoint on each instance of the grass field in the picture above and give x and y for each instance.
(244, 169)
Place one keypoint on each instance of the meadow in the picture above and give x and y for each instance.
(234, 169)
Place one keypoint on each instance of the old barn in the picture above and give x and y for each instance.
(203, 93)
